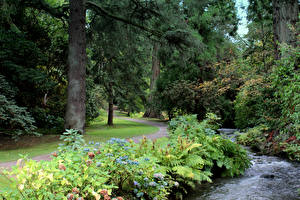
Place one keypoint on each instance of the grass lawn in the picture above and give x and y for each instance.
(138, 116)
(96, 131)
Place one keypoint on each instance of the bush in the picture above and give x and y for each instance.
(14, 120)
(254, 137)
(273, 142)
(255, 104)
(220, 154)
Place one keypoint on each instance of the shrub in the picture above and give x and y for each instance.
(220, 154)
(254, 137)
(14, 120)
(255, 104)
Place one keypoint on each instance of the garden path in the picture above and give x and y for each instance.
(161, 133)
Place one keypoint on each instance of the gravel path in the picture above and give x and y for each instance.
(161, 133)
(161, 125)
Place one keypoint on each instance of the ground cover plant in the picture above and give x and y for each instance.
(122, 169)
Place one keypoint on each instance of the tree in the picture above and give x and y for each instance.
(33, 59)
(76, 94)
(285, 17)
(151, 111)
(211, 23)
(118, 54)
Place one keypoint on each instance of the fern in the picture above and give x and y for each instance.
(194, 161)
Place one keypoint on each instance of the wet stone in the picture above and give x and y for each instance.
(270, 176)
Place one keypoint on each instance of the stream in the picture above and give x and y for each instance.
(269, 178)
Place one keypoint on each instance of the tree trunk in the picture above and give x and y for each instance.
(110, 106)
(151, 112)
(285, 17)
(110, 113)
(76, 93)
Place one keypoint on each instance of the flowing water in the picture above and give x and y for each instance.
(269, 178)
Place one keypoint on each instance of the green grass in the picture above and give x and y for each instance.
(138, 116)
(121, 129)
(35, 150)
(97, 131)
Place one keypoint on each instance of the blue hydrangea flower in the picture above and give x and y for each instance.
(118, 141)
(158, 176)
(133, 162)
(97, 144)
(86, 149)
(147, 159)
(136, 184)
(152, 184)
(140, 194)
(109, 154)
(91, 142)
(126, 148)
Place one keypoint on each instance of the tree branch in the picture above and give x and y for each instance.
(58, 12)
(97, 8)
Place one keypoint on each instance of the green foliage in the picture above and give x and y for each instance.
(293, 151)
(73, 140)
(254, 137)
(272, 99)
(177, 98)
(286, 80)
(180, 160)
(255, 104)
(94, 100)
(148, 170)
(15, 120)
(231, 159)
(33, 62)
(261, 139)
(91, 171)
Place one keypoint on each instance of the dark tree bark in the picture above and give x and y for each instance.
(110, 106)
(110, 113)
(76, 93)
(151, 112)
(285, 14)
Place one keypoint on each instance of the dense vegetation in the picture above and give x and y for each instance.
(122, 169)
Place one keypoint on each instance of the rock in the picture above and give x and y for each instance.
(270, 176)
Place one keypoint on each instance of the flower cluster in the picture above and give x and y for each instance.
(123, 160)
(147, 185)
(120, 142)
(159, 176)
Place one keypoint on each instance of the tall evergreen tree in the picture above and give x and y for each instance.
(76, 94)
(285, 17)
